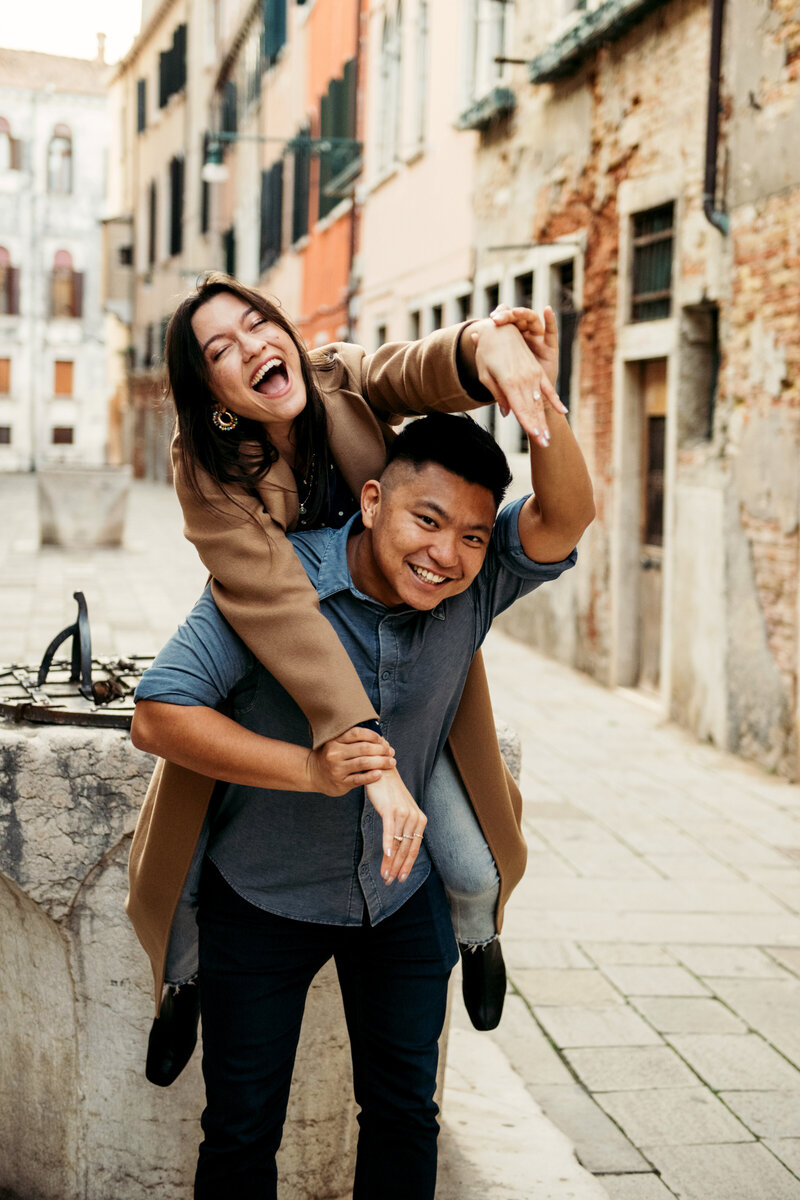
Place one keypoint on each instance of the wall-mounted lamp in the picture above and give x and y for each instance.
(215, 169)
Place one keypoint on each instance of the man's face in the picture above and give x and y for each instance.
(427, 535)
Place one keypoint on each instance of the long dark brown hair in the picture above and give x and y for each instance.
(243, 456)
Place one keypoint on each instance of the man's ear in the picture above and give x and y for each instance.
(371, 496)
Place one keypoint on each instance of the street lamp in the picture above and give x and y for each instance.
(215, 170)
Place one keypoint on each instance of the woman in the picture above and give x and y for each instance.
(272, 438)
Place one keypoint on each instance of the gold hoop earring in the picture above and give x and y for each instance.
(224, 420)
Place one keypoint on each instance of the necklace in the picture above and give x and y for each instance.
(308, 484)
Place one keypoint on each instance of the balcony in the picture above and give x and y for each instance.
(608, 22)
(499, 102)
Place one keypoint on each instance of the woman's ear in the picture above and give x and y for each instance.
(370, 502)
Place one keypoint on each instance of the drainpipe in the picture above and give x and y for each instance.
(353, 287)
(718, 219)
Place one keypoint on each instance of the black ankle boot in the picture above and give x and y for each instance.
(173, 1036)
(483, 983)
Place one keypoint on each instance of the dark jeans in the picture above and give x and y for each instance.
(255, 972)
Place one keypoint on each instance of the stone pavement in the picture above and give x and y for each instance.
(653, 946)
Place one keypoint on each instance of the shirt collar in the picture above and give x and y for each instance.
(334, 573)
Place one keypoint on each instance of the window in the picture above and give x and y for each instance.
(205, 193)
(5, 435)
(414, 326)
(421, 98)
(66, 287)
(381, 332)
(437, 316)
(141, 105)
(651, 290)
(172, 67)
(338, 166)
(10, 148)
(301, 184)
(63, 435)
(152, 224)
(487, 34)
(175, 205)
(149, 346)
(464, 306)
(567, 316)
(271, 215)
(63, 377)
(229, 250)
(274, 29)
(5, 376)
(523, 290)
(125, 255)
(391, 67)
(228, 108)
(9, 285)
(59, 161)
(491, 297)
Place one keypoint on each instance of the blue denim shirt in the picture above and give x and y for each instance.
(308, 856)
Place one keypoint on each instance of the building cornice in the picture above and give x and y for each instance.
(143, 37)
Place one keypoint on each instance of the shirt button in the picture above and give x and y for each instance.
(386, 674)
(341, 514)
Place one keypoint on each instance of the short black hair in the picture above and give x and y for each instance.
(458, 444)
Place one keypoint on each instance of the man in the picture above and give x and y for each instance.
(292, 878)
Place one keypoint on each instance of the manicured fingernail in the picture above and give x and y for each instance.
(536, 433)
(403, 878)
(537, 395)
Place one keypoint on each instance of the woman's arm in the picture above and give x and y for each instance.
(261, 589)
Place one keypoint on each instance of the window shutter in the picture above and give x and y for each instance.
(63, 378)
(77, 294)
(176, 205)
(141, 105)
(302, 179)
(16, 154)
(12, 277)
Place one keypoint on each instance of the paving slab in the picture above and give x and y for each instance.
(495, 1141)
(788, 958)
(673, 1117)
(655, 981)
(726, 1172)
(584, 1025)
(787, 1150)
(768, 1114)
(670, 1015)
(599, 1144)
(636, 1187)
(736, 1062)
(528, 1050)
(736, 962)
(626, 954)
(530, 953)
(691, 866)
(625, 1068)
(770, 1006)
(562, 986)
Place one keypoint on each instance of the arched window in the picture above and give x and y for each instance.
(66, 287)
(9, 148)
(59, 161)
(9, 285)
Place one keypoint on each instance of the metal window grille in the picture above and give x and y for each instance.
(63, 435)
(271, 215)
(653, 237)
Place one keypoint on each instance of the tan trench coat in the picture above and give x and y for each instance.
(268, 599)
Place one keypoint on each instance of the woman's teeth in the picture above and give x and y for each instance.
(428, 576)
(269, 365)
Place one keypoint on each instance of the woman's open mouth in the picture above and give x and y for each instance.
(271, 378)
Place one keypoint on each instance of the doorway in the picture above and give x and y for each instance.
(653, 421)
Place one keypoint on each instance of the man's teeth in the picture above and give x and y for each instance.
(428, 576)
(263, 369)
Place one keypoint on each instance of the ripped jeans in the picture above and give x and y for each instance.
(455, 843)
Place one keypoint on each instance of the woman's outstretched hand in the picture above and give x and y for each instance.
(403, 825)
(520, 368)
(355, 759)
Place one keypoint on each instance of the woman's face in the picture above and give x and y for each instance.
(253, 364)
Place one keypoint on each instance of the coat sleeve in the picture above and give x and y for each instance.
(403, 379)
(262, 590)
